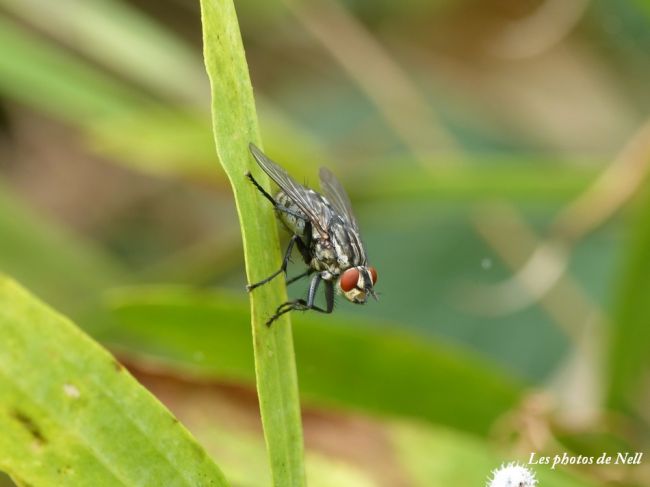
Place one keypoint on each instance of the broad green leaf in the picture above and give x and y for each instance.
(235, 126)
(70, 414)
(630, 341)
(341, 361)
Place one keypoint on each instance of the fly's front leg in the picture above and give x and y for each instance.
(283, 267)
(302, 305)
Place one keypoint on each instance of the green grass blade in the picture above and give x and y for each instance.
(235, 126)
(71, 415)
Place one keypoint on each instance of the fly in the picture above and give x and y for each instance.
(326, 234)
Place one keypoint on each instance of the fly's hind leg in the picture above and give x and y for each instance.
(308, 272)
(306, 257)
(283, 268)
(302, 305)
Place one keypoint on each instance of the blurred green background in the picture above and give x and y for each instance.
(496, 153)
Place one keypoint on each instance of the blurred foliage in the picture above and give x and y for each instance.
(207, 335)
(53, 262)
(630, 349)
(109, 179)
(419, 443)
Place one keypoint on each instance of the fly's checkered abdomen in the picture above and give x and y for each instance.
(294, 224)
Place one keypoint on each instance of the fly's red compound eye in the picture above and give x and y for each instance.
(349, 279)
(373, 274)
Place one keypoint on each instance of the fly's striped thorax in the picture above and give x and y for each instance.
(347, 244)
(334, 251)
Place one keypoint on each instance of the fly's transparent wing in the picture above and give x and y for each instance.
(301, 196)
(337, 196)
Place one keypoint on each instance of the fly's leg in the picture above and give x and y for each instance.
(275, 204)
(302, 305)
(300, 276)
(303, 247)
(304, 252)
(283, 267)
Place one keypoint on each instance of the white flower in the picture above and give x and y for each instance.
(512, 475)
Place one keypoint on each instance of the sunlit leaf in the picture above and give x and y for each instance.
(71, 415)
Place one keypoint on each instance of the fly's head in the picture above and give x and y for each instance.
(356, 283)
